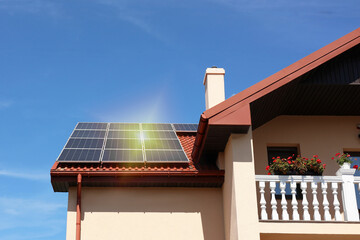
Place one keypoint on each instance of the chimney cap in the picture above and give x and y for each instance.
(213, 71)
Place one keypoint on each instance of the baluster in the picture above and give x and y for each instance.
(294, 202)
(334, 187)
(327, 215)
(274, 214)
(264, 215)
(305, 203)
(285, 215)
(317, 216)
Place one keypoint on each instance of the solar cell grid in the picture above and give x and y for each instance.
(159, 134)
(123, 144)
(185, 127)
(165, 156)
(162, 144)
(125, 126)
(91, 126)
(85, 143)
(80, 155)
(123, 156)
(156, 126)
(88, 134)
(124, 134)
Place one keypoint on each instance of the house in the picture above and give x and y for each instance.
(220, 189)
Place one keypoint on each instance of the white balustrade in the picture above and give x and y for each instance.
(319, 189)
(305, 203)
(294, 202)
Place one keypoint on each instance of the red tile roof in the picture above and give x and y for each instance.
(64, 174)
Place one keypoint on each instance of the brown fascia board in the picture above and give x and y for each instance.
(198, 178)
(221, 113)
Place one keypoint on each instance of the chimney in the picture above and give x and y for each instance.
(214, 86)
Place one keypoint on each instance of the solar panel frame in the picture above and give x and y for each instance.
(134, 134)
(171, 156)
(151, 134)
(76, 155)
(157, 126)
(162, 144)
(185, 127)
(110, 154)
(78, 133)
(123, 144)
(91, 126)
(124, 126)
(94, 143)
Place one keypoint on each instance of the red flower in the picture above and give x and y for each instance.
(274, 161)
(267, 168)
(318, 161)
(332, 158)
(273, 158)
(348, 155)
(269, 173)
(338, 154)
(356, 166)
(289, 162)
(324, 165)
(315, 156)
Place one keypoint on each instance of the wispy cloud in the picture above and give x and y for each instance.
(39, 218)
(5, 104)
(30, 6)
(19, 206)
(27, 176)
(133, 14)
(313, 7)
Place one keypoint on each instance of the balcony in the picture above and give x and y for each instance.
(294, 198)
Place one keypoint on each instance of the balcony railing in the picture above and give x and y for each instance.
(309, 198)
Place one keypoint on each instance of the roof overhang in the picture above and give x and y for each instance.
(287, 92)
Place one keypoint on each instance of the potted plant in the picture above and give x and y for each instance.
(297, 166)
(344, 161)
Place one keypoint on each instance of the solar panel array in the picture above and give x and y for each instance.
(125, 142)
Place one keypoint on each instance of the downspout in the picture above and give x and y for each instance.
(78, 208)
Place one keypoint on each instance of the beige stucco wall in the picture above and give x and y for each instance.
(315, 135)
(148, 213)
(323, 136)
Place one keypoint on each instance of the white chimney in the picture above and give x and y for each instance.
(214, 86)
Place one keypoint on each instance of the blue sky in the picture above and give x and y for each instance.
(62, 62)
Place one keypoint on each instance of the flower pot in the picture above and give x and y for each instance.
(346, 165)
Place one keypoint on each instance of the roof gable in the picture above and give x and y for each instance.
(238, 110)
(283, 77)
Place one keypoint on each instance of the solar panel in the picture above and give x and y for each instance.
(159, 134)
(162, 144)
(156, 126)
(91, 126)
(185, 127)
(165, 156)
(80, 155)
(123, 156)
(88, 134)
(84, 143)
(124, 134)
(124, 142)
(125, 126)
